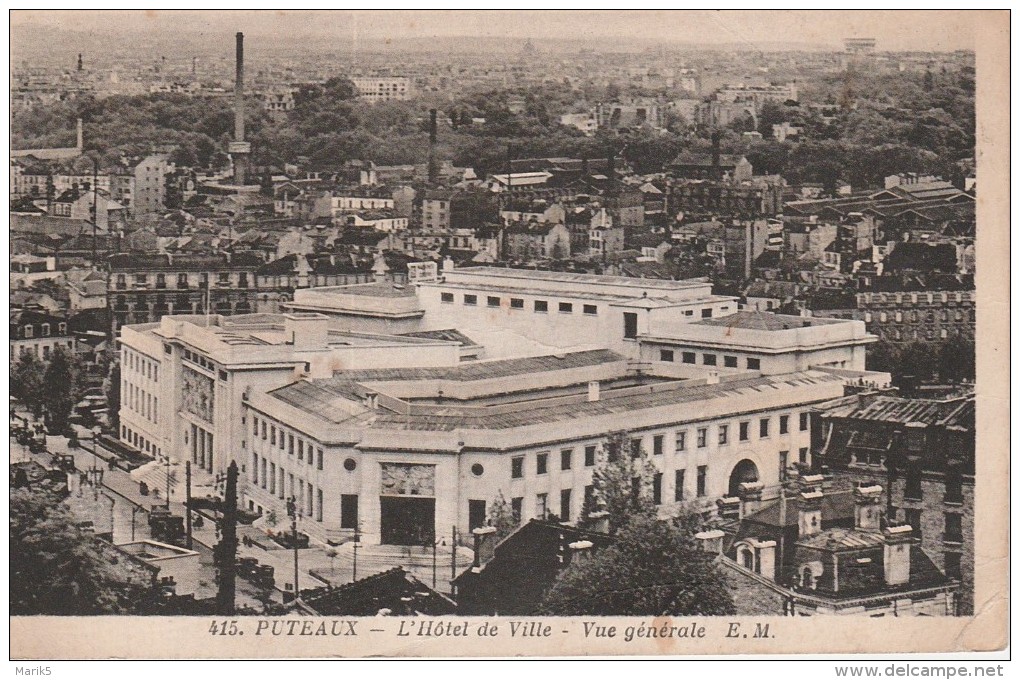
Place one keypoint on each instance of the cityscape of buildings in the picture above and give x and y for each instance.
(358, 360)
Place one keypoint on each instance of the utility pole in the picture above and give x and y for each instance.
(226, 550)
(292, 510)
(453, 555)
(187, 501)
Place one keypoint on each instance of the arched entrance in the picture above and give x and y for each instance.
(744, 471)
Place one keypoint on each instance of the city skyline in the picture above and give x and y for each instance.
(894, 30)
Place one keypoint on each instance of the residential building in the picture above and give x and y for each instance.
(826, 551)
(920, 315)
(383, 89)
(922, 451)
(38, 332)
(144, 288)
(149, 191)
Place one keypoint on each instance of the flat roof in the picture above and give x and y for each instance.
(762, 321)
(573, 277)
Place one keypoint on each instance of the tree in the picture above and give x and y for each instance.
(27, 382)
(652, 568)
(956, 359)
(55, 569)
(622, 481)
(60, 389)
(502, 517)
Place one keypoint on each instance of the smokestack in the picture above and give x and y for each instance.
(239, 90)
(239, 148)
(81, 136)
(716, 156)
(433, 168)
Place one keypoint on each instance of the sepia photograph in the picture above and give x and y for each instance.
(618, 332)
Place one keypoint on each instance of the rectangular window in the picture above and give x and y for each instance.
(263, 471)
(290, 444)
(802, 455)
(254, 426)
(952, 562)
(517, 508)
(913, 518)
(681, 440)
(954, 527)
(516, 303)
(630, 325)
(729, 362)
(565, 456)
(724, 433)
(300, 449)
(272, 478)
(702, 480)
(541, 505)
(689, 358)
(264, 430)
(589, 497)
(753, 364)
(784, 461)
(708, 359)
(542, 463)
(470, 299)
(589, 456)
(319, 465)
(702, 437)
(565, 505)
(784, 424)
(657, 488)
(954, 486)
(706, 313)
(318, 505)
(492, 301)
(657, 445)
(446, 297)
(517, 467)
(804, 421)
(744, 434)
(254, 468)
(566, 307)
(665, 355)
(541, 306)
(913, 485)
(763, 428)
(349, 511)
(590, 310)
(678, 486)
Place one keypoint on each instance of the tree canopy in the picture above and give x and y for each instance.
(653, 568)
(57, 570)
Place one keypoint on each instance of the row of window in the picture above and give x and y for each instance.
(196, 358)
(138, 441)
(28, 330)
(658, 444)
(140, 401)
(265, 474)
(899, 298)
(139, 363)
(709, 359)
(929, 316)
(121, 281)
(287, 442)
(41, 351)
(540, 306)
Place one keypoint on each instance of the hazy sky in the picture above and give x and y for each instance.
(894, 29)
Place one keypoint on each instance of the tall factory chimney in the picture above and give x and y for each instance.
(716, 157)
(239, 149)
(433, 167)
